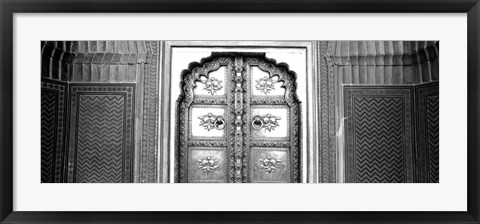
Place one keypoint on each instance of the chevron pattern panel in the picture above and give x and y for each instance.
(100, 143)
(378, 142)
(427, 151)
(52, 130)
(48, 123)
(379, 134)
(102, 117)
(432, 136)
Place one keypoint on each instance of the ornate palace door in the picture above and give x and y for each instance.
(238, 120)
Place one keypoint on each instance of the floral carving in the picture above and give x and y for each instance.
(269, 165)
(265, 84)
(269, 122)
(212, 85)
(208, 164)
(211, 121)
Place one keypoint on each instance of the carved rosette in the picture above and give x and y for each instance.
(212, 85)
(265, 84)
(269, 164)
(207, 164)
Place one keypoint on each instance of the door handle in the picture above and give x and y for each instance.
(257, 123)
(268, 121)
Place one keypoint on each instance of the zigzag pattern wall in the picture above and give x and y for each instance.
(100, 144)
(378, 134)
(433, 138)
(53, 130)
(48, 125)
(379, 140)
(427, 133)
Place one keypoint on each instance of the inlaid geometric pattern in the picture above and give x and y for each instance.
(100, 143)
(433, 141)
(49, 112)
(52, 130)
(102, 131)
(378, 139)
(427, 150)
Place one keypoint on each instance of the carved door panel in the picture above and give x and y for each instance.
(273, 123)
(203, 122)
(238, 120)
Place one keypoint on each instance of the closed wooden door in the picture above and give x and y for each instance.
(238, 120)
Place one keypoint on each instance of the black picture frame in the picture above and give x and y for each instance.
(9, 7)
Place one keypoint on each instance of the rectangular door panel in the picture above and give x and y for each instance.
(270, 165)
(207, 165)
(207, 122)
(270, 122)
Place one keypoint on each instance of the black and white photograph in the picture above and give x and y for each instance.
(168, 111)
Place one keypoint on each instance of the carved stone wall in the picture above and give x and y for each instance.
(427, 151)
(384, 62)
(57, 59)
(114, 63)
(149, 120)
(94, 61)
(343, 63)
(327, 129)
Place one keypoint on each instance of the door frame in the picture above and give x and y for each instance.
(310, 140)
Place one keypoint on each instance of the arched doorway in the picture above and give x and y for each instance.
(238, 120)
